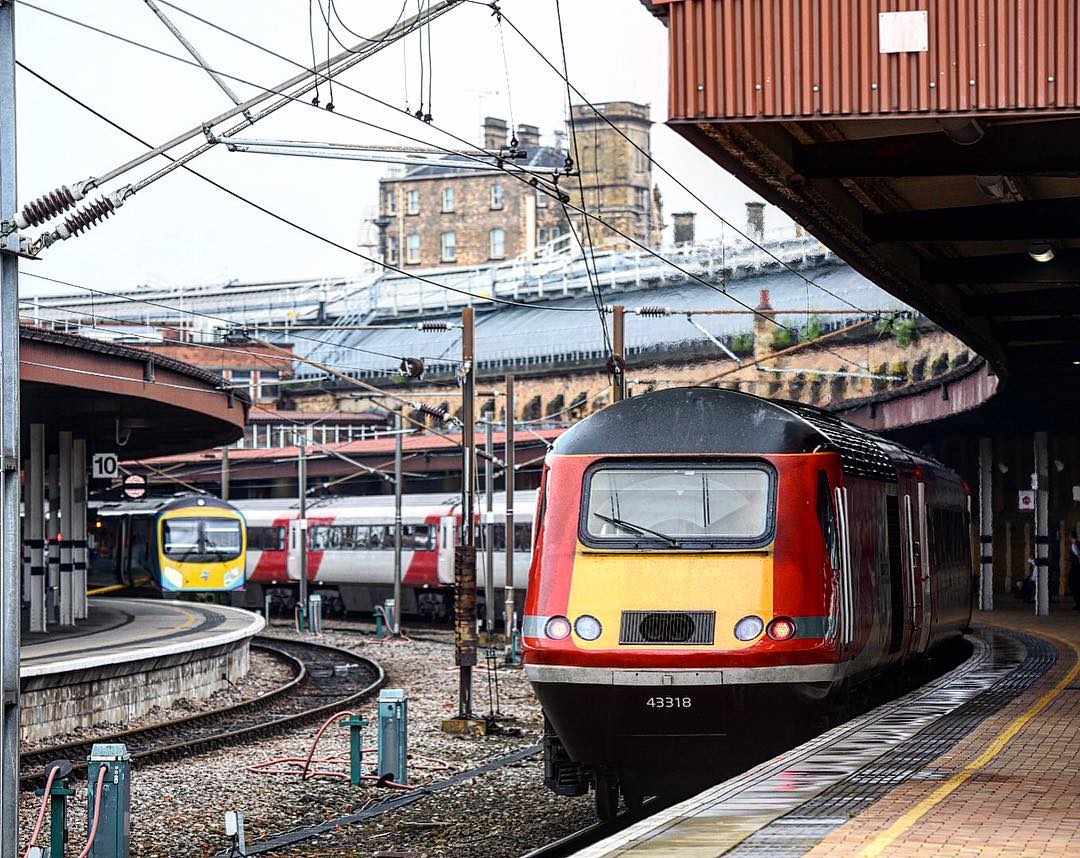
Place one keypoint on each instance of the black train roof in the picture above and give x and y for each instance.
(704, 420)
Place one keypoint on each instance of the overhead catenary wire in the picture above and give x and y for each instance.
(594, 287)
(658, 165)
(585, 213)
(562, 197)
(287, 221)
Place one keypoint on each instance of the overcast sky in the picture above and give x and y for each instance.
(182, 231)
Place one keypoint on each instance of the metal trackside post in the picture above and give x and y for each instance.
(356, 726)
(394, 735)
(10, 550)
(508, 464)
(398, 488)
(112, 837)
(489, 530)
(314, 614)
(618, 358)
(301, 483)
(465, 637)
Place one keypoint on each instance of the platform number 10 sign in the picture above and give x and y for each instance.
(104, 466)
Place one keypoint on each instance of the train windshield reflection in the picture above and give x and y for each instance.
(682, 503)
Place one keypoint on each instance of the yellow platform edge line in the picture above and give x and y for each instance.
(902, 825)
(101, 591)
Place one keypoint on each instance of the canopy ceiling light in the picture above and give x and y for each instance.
(1041, 252)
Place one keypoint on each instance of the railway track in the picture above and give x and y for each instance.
(325, 679)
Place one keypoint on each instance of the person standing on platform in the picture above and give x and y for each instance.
(1074, 571)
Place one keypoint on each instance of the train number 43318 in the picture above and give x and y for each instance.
(669, 702)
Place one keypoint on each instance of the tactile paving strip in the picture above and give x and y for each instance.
(797, 832)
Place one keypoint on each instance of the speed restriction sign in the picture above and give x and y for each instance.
(104, 466)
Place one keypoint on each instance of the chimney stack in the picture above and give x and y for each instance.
(684, 227)
(494, 132)
(755, 221)
(528, 136)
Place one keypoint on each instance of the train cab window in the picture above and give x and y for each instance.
(266, 538)
(827, 520)
(681, 506)
(202, 540)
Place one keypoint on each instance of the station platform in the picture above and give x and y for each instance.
(984, 760)
(127, 657)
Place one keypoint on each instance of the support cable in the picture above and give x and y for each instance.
(281, 218)
(660, 166)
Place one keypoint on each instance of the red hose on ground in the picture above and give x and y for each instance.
(41, 812)
(97, 811)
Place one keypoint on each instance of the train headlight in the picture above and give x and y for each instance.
(557, 628)
(748, 628)
(174, 578)
(781, 629)
(233, 576)
(588, 628)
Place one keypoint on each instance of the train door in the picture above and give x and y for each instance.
(914, 526)
(924, 570)
(297, 544)
(897, 611)
(446, 544)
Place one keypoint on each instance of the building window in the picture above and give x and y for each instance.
(448, 199)
(391, 202)
(498, 243)
(449, 247)
(541, 200)
(269, 387)
(241, 378)
(643, 198)
(391, 249)
(496, 196)
(542, 236)
(412, 249)
(414, 202)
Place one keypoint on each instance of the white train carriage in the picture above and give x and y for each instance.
(350, 545)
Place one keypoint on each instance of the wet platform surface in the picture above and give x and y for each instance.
(984, 760)
(124, 630)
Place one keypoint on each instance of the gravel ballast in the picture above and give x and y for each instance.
(178, 808)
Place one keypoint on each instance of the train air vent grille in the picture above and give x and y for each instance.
(667, 627)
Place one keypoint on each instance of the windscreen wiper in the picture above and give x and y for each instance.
(629, 525)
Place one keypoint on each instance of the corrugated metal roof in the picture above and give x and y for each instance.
(533, 336)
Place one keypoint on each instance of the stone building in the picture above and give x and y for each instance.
(438, 216)
(616, 174)
(435, 216)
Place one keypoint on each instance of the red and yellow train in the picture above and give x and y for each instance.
(705, 558)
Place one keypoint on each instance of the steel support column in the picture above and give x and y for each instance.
(35, 517)
(78, 528)
(986, 523)
(10, 551)
(67, 585)
(52, 546)
(1042, 528)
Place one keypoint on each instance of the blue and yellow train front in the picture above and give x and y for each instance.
(201, 546)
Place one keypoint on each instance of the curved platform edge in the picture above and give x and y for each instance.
(253, 625)
(118, 683)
